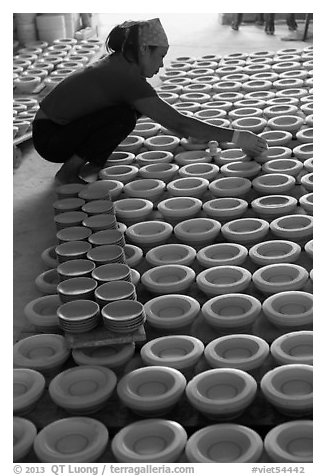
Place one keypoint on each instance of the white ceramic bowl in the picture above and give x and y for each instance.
(133, 254)
(245, 230)
(154, 440)
(42, 352)
(290, 442)
(284, 166)
(274, 251)
(119, 158)
(172, 311)
(232, 310)
(161, 171)
(289, 123)
(192, 157)
(180, 352)
(230, 187)
(293, 227)
(71, 440)
(222, 254)
(146, 129)
(221, 393)
(309, 248)
(83, 389)
(150, 189)
(239, 351)
(149, 233)
(293, 348)
(188, 187)
(179, 208)
(171, 254)
(273, 184)
(42, 312)
(289, 388)
(151, 390)
(122, 173)
(230, 155)
(111, 356)
(204, 170)
(303, 151)
(28, 387)
(307, 182)
(276, 137)
(225, 208)
(24, 432)
(289, 309)
(132, 143)
(306, 202)
(275, 278)
(47, 281)
(154, 157)
(168, 279)
(197, 231)
(224, 443)
(247, 170)
(253, 124)
(223, 279)
(133, 209)
(272, 206)
(162, 142)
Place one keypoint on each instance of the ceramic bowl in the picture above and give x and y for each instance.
(293, 348)
(42, 352)
(224, 443)
(133, 209)
(289, 123)
(160, 171)
(223, 279)
(149, 233)
(197, 231)
(150, 189)
(66, 219)
(273, 153)
(179, 208)
(119, 158)
(247, 170)
(76, 288)
(171, 254)
(305, 135)
(107, 237)
(204, 170)
(42, 312)
(188, 187)
(231, 155)
(168, 279)
(239, 112)
(230, 187)
(192, 157)
(69, 190)
(111, 272)
(122, 173)
(47, 281)
(273, 183)
(74, 439)
(146, 129)
(303, 151)
(172, 311)
(253, 124)
(233, 310)
(289, 309)
(221, 393)
(274, 278)
(106, 254)
(71, 250)
(151, 390)
(78, 316)
(290, 442)
(112, 356)
(114, 291)
(307, 182)
(155, 440)
(272, 206)
(306, 202)
(73, 233)
(134, 255)
(28, 387)
(276, 137)
(239, 351)
(83, 389)
(97, 190)
(274, 251)
(123, 316)
(309, 248)
(293, 227)
(222, 254)
(24, 432)
(154, 157)
(245, 230)
(162, 143)
(289, 388)
(284, 166)
(132, 143)
(180, 352)
(279, 109)
(223, 209)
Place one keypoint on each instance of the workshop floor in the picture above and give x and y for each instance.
(33, 226)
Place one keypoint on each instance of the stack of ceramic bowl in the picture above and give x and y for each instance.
(78, 316)
(123, 317)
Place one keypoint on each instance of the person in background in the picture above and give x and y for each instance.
(269, 23)
(88, 114)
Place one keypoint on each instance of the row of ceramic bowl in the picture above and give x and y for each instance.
(162, 441)
(47, 353)
(221, 394)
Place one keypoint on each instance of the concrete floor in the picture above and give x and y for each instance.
(33, 226)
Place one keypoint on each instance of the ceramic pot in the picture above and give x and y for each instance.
(224, 443)
(245, 230)
(275, 251)
(272, 206)
(172, 311)
(289, 388)
(168, 279)
(293, 348)
(24, 432)
(222, 254)
(179, 208)
(230, 187)
(273, 184)
(223, 209)
(274, 278)
(28, 387)
(290, 442)
(223, 279)
(197, 231)
(289, 309)
(133, 209)
(171, 254)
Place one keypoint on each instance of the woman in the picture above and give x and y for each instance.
(91, 111)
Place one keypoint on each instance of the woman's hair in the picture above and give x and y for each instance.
(125, 41)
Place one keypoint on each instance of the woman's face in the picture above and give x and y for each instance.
(151, 60)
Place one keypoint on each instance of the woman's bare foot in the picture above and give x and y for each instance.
(69, 172)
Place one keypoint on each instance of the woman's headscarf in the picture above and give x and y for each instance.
(150, 32)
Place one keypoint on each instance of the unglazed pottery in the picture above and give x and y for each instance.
(293, 348)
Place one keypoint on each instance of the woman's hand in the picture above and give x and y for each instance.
(250, 142)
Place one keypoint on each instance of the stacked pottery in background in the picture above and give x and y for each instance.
(223, 247)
